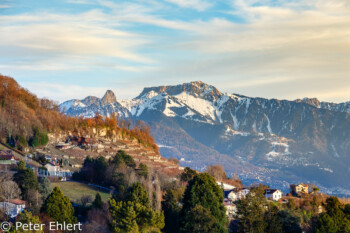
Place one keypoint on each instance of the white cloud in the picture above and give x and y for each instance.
(199, 5)
(282, 49)
(70, 39)
(61, 92)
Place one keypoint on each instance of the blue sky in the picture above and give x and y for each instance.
(65, 49)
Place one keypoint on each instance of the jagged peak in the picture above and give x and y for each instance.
(109, 98)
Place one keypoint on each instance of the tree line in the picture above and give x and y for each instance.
(26, 120)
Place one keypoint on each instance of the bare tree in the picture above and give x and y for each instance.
(217, 171)
(9, 190)
(85, 199)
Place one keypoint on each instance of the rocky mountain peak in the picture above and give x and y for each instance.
(109, 98)
(90, 100)
(197, 89)
(311, 101)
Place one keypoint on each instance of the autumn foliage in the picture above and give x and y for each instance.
(25, 119)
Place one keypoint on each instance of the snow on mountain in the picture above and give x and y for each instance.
(71, 104)
(196, 121)
(91, 105)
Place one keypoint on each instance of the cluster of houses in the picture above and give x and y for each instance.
(233, 194)
(81, 142)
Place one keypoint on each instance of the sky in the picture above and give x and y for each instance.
(285, 49)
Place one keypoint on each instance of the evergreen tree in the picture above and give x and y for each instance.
(26, 179)
(200, 221)
(143, 170)
(188, 174)
(274, 223)
(290, 221)
(100, 167)
(39, 138)
(250, 211)
(58, 207)
(123, 158)
(98, 203)
(26, 218)
(202, 190)
(334, 219)
(135, 213)
(44, 187)
(171, 210)
(124, 217)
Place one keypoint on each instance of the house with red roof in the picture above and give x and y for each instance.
(13, 207)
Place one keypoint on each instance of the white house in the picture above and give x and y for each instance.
(13, 207)
(231, 195)
(242, 193)
(231, 209)
(52, 167)
(273, 194)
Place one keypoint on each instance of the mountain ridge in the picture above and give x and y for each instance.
(281, 136)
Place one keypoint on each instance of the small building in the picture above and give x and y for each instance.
(231, 209)
(230, 195)
(225, 186)
(273, 194)
(63, 146)
(300, 188)
(242, 193)
(13, 207)
(52, 167)
(7, 155)
(235, 194)
(48, 158)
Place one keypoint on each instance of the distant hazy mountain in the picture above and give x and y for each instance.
(270, 140)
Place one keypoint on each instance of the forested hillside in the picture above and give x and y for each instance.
(26, 120)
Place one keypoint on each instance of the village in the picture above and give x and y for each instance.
(59, 160)
(233, 194)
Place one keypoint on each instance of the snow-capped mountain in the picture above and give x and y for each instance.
(262, 139)
(91, 105)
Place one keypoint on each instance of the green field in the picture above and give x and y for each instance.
(76, 190)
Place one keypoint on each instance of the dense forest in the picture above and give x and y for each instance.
(26, 120)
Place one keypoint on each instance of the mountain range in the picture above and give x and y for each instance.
(277, 142)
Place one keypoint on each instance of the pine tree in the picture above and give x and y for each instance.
(251, 211)
(200, 221)
(188, 174)
(58, 207)
(138, 204)
(334, 219)
(124, 217)
(26, 179)
(143, 170)
(98, 203)
(202, 190)
(274, 223)
(171, 210)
